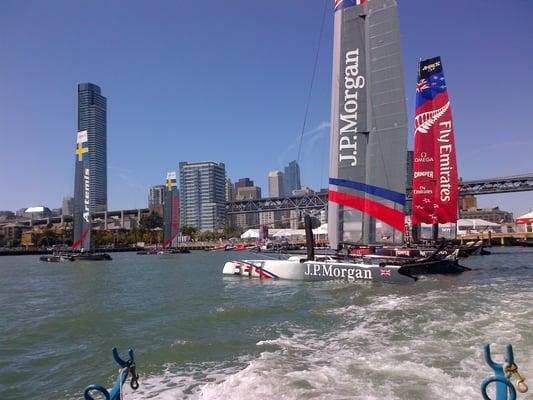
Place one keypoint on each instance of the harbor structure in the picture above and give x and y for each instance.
(203, 194)
(368, 140)
(291, 178)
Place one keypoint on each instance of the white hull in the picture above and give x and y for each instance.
(315, 271)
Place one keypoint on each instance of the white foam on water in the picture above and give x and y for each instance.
(425, 346)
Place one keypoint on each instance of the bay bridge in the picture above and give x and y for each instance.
(313, 202)
(319, 200)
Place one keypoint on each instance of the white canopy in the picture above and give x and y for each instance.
(250, 234)
(525, 219)
(475, 222)
(321, 230)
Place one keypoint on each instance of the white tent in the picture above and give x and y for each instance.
(289, 234)
(321, 230)
(250, 234)
(476, 225)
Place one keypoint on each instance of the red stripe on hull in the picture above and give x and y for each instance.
(390, 216)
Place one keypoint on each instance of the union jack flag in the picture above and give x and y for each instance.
(385, 272)
(422, 85)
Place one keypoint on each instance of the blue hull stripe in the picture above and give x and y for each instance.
(373, 190)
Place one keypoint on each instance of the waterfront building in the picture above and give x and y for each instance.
(467, 202)
(275, 184)
(38, 212)
(230, 190)
(156, 199)
(488, 214)
(6, 215)
(249, 219)
(230, 196)
(203, 194)
(68, 205)
(92, 117)
(243, 182)
(291, 178)
(303, 191)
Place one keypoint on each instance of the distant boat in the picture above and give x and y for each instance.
(57, 258)
(82, 222)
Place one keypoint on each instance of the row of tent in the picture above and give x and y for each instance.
(462, 226)
(290, 234)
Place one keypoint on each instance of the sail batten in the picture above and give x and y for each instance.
(435, 180)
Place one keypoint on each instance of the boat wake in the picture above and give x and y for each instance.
(395, 346)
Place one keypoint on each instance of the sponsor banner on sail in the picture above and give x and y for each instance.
(170, 210)
(82, 194)
(435, 180)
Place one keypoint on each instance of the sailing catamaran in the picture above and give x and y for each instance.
(171, 213)
(368, 147)
(82, 202)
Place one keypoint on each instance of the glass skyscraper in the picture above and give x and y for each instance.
(203, 195)
(92, 117)
(291, 178)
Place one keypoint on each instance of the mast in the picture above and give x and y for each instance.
(82, 194)
(435, 180)
(368, 142)
(171, 211)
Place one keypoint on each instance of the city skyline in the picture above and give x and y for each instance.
(153, 121)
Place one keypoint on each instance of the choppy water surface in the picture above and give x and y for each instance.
(198, 335)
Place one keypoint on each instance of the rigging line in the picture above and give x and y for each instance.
(326, 2)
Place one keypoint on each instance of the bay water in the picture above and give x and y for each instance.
(199, 335)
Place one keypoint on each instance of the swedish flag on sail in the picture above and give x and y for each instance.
(82, 146)
(171, 184)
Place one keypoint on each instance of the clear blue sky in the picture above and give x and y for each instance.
(228, 81)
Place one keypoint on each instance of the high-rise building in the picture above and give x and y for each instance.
(291, 178)
(92, 117)
(275, 184)
(249, 219)
(156, 199)
(230, 190)
(68, 205)
(203, 194)
(467, 202)
(243, 182)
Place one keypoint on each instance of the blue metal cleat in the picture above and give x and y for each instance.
(126, 368)
(505, 390)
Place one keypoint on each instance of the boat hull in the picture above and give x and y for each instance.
(316, 271)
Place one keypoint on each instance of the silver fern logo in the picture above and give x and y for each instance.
(424, 121)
